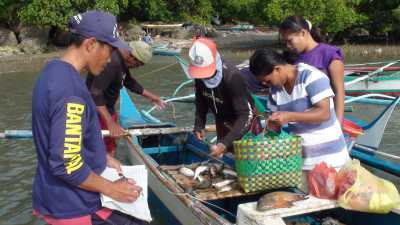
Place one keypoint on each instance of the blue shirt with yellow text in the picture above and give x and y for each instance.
(68, 143)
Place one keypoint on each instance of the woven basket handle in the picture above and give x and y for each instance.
(266, 128)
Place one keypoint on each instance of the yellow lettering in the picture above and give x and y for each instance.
(74, 164)
(73, 129)
(73, 118)
(71, 148)
(72, 145)
(75, 108)
(73, 140)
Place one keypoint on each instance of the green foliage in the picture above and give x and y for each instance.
(112, 6)
(329, 15)
(244, 10)
(381, 15)
(158, 10)
(56, 12)
(9, 11)
(47, 12)
(196, 11)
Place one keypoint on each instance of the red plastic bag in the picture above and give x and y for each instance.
(322, 181)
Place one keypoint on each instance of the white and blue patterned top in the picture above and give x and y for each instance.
(323, 141)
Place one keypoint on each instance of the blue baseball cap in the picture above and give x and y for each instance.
(100, 25)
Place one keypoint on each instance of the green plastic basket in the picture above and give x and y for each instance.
(268, 161)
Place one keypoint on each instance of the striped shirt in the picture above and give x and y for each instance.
(323, 141)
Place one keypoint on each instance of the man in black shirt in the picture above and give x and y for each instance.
(105, 87)
(220, 88)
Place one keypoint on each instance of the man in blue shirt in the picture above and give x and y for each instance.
(67, 135)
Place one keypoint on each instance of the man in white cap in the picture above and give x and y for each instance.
(220, 88)
(105, 87)
(70, 152)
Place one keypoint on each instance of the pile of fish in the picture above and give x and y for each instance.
(209, 175)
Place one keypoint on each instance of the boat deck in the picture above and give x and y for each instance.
(248, 214)
(204, 194)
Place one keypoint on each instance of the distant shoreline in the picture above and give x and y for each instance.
(232, 41)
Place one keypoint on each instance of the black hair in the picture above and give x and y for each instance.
(263, 61)
(75, 39)
(297, 23)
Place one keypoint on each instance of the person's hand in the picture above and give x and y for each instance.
(274, 126)
(217, 150)
(200, 134)
(115, 129)
(280, 118)
(114, 163)
(159, 103)
(124, 190)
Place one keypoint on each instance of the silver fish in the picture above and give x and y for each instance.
(205, 183)
(229, 174)
(199, 170)
(223, 183)
(186, 171)
(225, 188)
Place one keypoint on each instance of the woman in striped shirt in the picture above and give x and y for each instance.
(302, 98)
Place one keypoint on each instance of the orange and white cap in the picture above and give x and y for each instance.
(202, 56)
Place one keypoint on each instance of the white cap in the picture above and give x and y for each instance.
(202, 58)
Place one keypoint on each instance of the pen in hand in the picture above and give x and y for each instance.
(122, 176)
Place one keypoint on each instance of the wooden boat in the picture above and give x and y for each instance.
(162, 26)
(236, 27)
(166, 50)
(387, 83)
(164, 148)
(378, 80)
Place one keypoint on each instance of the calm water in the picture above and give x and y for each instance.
(18, 159)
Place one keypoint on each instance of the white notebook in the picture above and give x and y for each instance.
(139, 208)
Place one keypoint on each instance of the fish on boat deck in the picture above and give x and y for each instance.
(205, 175)
(278, 199)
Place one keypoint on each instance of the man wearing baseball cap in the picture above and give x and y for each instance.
(67, 135)
(105, 87)
(220, 88)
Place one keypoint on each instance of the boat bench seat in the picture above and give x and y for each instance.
(247, 213)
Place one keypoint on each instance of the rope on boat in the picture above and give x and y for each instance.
(159, 69)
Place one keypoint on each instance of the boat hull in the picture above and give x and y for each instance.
(166, 52)
(386, 84)
(176, 207)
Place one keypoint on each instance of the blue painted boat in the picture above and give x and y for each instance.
(235, 27)
(166, 50)
(169, 147)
